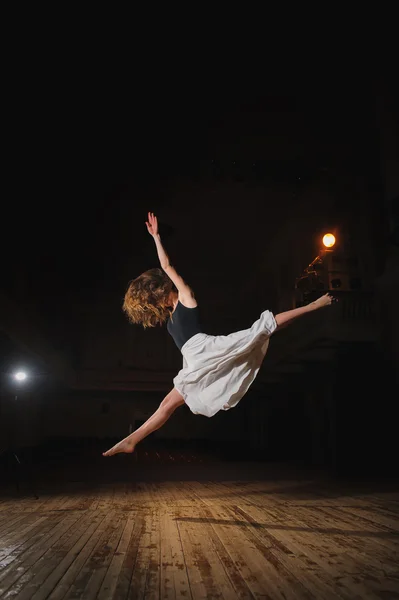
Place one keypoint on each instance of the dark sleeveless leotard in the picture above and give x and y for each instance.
(184, 324)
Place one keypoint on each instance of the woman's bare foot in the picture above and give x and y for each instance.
(125, 445)
(325, 300)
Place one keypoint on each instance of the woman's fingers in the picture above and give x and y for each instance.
(152, 221)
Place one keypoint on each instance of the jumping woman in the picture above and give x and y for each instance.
(217, 370)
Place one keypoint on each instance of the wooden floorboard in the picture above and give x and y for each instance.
(283, 540)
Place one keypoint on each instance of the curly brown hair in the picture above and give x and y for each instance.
(147, 300)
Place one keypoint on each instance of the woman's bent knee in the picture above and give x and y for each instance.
(172, 401)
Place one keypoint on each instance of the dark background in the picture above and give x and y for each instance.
(246, 165)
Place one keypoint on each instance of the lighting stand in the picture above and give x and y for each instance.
(13, 460)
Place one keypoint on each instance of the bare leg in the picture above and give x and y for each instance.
(159, 418)
(286, 317)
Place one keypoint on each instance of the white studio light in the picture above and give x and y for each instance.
(20, 376)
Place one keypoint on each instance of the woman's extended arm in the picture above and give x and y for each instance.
(286, 317)
(185, 293)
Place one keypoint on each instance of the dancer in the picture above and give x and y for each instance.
(217, 370)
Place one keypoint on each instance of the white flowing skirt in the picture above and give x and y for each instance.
(218, 370)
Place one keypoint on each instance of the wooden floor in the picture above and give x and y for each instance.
(200, 539)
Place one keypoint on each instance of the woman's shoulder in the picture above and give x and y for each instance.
(187, 300)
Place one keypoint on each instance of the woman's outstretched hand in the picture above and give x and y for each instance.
(152, 224)
(325, 300)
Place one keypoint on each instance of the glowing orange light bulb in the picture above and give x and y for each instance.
(329, 240)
